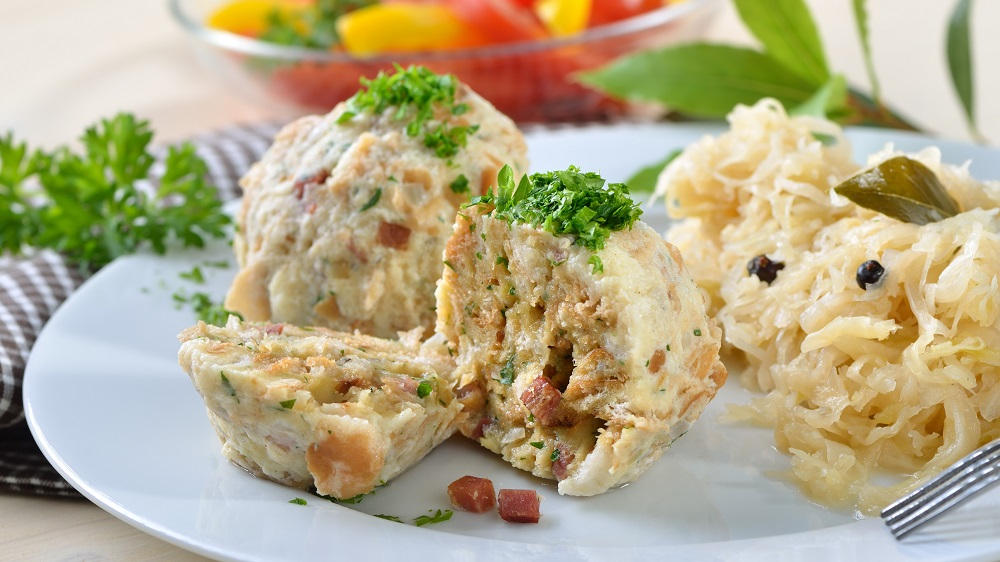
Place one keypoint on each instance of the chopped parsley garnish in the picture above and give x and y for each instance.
(697, 331)
(479, 256)
(448, 263)
(538, 444)
(287, 404)
(415, 92)
(205, 309)
(502, 260)
(596, 263)
(194, 275)
(668, 347)
(566, 203)
(389, 517)
(554, 456)
(373, 201)
(436, 517)
(461, 185)
(507, 372)
(297, 501)
(424, 388)
(512, 290)
(218, 264)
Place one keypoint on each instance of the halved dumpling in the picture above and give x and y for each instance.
(313, 407)
(585, 363)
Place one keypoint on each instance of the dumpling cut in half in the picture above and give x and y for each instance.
(345, 217)
(581, 338)
(313, 407)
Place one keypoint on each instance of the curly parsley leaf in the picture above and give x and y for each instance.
(103, 203)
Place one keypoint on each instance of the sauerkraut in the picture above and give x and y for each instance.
(902, 378)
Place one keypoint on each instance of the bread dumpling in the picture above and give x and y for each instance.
(580, 337)
(345, 217)
(310, 407)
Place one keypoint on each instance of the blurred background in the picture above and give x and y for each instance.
(67, 63)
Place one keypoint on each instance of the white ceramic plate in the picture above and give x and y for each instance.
(119, 419)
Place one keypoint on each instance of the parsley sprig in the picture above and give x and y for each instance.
(416, 93)
(104, 202)
(567, 202)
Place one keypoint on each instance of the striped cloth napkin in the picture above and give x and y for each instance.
(31, 289)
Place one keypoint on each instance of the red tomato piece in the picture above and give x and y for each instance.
(608, 11)
(502, 21)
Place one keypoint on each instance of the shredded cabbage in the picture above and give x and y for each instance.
(902, 377)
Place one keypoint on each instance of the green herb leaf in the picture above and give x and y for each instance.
(312, 27)
(424, 388)
(373, 201)
(389, 517)
(287, 404)
(568, 202)
(555, 455)
(437, 517)
(205, 308)
(596, 264)
(789, 35)
(829, 100)
(460, 185)
(90, 206)
(644, 180)
(507, 373)
(960, 61)
(861, 21)
(194, 275)
(415, 92)
(227, 385)
(448, 265)
(901, 188)
(297, 501)
(701, 79)
(537, 444)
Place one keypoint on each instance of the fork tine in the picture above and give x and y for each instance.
(956, 497)
(906, 502)
(942, 494)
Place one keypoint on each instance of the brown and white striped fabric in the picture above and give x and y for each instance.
(32, 287)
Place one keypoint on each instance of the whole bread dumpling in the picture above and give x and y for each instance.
(310, 407)
(345, 217)
(585, 352)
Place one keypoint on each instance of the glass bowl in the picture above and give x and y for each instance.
(531, 81)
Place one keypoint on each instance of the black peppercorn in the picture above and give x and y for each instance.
(765, 269)
(869, 273)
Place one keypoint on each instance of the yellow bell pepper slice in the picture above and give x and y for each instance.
(249, 17)
(563, 17)
(381, 28)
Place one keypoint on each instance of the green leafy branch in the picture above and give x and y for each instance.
(707, 80)
(100, 204)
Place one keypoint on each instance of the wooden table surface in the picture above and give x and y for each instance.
(65, 63)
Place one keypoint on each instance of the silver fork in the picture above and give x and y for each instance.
(957, 484)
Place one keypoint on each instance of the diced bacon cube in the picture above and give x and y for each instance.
(471, 493)
(519, 506)
(392, 235)
(542, 400)
(560, 466)
(274, 329)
